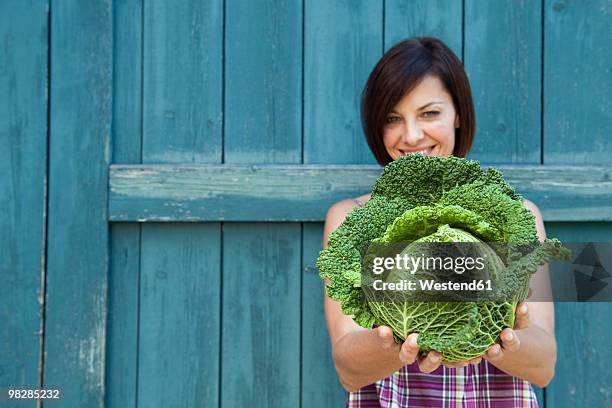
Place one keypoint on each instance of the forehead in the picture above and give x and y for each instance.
(428, 90)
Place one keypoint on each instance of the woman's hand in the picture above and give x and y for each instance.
(510, 342)
(409, 351)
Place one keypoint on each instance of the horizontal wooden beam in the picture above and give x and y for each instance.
(229, 192)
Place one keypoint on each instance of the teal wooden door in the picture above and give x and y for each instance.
(167, 167)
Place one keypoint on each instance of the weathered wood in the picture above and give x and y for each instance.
(121, 370)
(320, 385)
(260, 349)
(417, 18)
(23, 188)
(577, 130)
(179, 315)
(182, 63)
(180, 285)
(304, 192)
(582, 329)
(577, 85)
(262, 112)
(503, 60)
(77, 262)
(343, 41)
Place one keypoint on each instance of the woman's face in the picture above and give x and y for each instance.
(424, 121)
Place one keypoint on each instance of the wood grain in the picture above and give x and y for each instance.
(77, 262)
(304, 192)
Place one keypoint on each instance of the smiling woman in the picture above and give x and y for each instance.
(418, 99)
(429, 129)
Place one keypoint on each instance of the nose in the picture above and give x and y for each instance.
(413, 133)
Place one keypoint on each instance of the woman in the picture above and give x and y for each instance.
(418, 99)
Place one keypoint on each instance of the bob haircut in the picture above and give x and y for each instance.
(400, 70)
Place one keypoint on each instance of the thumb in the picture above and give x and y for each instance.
(385, 336)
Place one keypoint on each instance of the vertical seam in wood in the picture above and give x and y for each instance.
(463, 32)
(302, 74)
(223, 55)
(45, 223)
(221, 224)
(542, 35)
(108, 154)
(220, 358)
(142, 109)
(384, 10)
(138, 313)
(302, 273)
(300, 389)
(142, 74)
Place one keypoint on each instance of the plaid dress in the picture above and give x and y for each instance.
(474, 386)
(481, 385)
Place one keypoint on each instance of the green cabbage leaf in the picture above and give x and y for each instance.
(439, 199)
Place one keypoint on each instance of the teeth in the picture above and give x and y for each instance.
(423, 152)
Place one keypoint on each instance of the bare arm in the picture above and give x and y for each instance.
(364, 356)
(531, 353)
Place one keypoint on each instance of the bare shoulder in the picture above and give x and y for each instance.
(364, 198)
(533, 208)
(335, 216)
(538, 218)
(337, 213)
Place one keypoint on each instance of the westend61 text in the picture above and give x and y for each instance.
(432, 285)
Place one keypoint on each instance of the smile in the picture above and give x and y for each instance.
(425, 152)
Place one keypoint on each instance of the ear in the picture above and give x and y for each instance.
(457, 123)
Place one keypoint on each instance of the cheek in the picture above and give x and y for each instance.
(390, 137)
(442, 132)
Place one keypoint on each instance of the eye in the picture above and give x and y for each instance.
(392, 119)
(431, 114)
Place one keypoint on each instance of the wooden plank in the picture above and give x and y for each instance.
(127, 82)
(23, 157)
(577, 85)
(179, 315)
(503, 61)
(320, 385)
(263, 83)
(343, 42)
(304, 192)
(77, 262)
(182, 81)
(582, 376)
(180, 285)
(577, 117)
(260, 353)
(124, 268)
(121, 369)
(261, 315)
(417, 18)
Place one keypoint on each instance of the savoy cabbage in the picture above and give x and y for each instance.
(431, 199)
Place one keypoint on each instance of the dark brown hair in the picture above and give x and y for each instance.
(401, 69)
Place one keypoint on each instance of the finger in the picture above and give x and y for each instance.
(409, 349)
(510, 341)
(476, 361)
(522, 317)
(430, 362)
(494, 353)
(385, 334)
